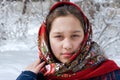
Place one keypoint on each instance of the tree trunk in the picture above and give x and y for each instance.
(24, 6)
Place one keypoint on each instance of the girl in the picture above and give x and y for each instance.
(67, 51)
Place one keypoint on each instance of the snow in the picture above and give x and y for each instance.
(16, 54)
(13, 62)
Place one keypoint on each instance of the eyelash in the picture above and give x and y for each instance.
(75, 35)
(59, 36)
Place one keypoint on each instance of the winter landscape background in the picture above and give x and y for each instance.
(20, 21)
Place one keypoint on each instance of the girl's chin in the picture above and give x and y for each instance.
(64, 60)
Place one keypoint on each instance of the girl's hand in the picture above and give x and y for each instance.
(36, 66)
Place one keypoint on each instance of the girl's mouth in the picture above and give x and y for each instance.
(67, 55)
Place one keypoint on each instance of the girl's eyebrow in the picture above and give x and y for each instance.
(77, 31)
(57, 32)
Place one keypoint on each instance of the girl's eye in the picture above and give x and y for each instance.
(75, 36)
(59, 37)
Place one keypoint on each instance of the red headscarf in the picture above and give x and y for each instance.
(85, 62)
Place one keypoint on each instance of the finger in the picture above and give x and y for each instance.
(37, 62)
(39, 67)
(42, 70)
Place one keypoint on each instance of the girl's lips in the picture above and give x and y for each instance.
(67, 55)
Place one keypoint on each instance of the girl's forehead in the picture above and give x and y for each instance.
(66, 23)
(61, 20)
(66, 30)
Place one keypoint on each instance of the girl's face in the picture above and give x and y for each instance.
(65, 36)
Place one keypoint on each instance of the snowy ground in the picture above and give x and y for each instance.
(13, 59)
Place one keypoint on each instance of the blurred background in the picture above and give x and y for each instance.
(20, 21)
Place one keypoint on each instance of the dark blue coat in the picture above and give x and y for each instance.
(28, 75)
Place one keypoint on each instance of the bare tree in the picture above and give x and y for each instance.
(24, 6)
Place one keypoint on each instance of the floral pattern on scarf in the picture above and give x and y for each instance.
(88, 55)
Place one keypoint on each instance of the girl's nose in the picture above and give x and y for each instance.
(67, 44)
